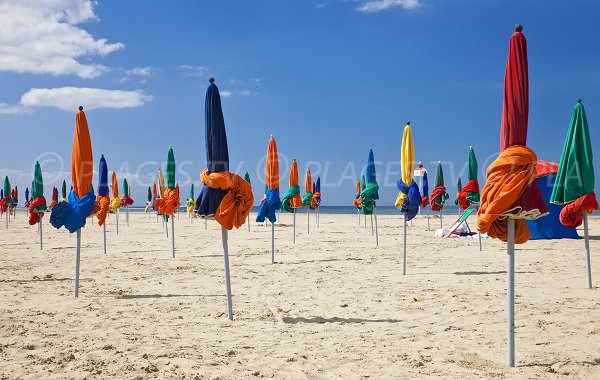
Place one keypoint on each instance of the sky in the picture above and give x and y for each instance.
(329, 79)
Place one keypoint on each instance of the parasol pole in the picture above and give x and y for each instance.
(77, 260)
(588, 264)
(358, 213)
(173, 235)
(428, 227)
(510, 293)
(40, 229)
(166, 223)
(117, 217)
(308, 217)
(104, 231)
(127, 215)
(156, 216)
(404, 248)
(248, 222)
(227, 277)
(205, 224)
(376, 232)
(294, 229)
(272, 243)
(441, 219)
(479, 234)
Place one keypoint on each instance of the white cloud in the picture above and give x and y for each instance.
(230, 93)
(9, 109)
(69, 98)
(382, 5)
(194, 71)
(43, 37)
(140, 71)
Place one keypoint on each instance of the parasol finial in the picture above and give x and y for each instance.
(211, 80)
(578, 100)
(518, 28)
(408, 123)
(81, 108)
(271, 136)
(470, 146)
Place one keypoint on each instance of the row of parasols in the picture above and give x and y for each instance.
(509, 197)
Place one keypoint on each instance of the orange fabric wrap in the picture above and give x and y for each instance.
(169, 203)
(101, 208)
(237, 202)
(507, 178)
(82, 166)
(357, 202)
(313, 200)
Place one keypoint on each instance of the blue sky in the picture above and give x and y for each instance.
(329, 79)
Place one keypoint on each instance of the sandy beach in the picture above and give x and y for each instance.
(333, 306)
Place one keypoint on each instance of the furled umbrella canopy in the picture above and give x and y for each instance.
(439, 194)
(271, 201)
(291, 199)
(102, 197)
(115, 201)
(409, 196)
(356, 201)
(126, 200)
(510, 190)
(458, 190)
(316, 198)
(225, 195)
(574, 185)
(168, 203)
(369, 195)
(63, 193)
(469, 194)
(425, 195)
(191, 203)
(27, 201)
(81, 202)
(306, 199)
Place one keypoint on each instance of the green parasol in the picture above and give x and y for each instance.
(125, 188)
(247, 178)
(171, 169)
(64, 189)
(575, 177)
(458, 189)
(473, 197)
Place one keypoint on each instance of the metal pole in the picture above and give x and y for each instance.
(358, 213)
(308, 218)
(205, 224)
(248, 222)
(294, 240)
(510, 294)
(420, 187)
(376, 232)
(77, 259)
(104, 230)
(117, 217)
(404, 249)
(227, 277)
(479, 234)
(428, 227)
(441, 219)
(586, 237)
(40, 228)
(165, 218)
(372, 227)
(272, 243)
(127, 215)
(173, 235)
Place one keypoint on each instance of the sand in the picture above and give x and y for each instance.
(333, 306)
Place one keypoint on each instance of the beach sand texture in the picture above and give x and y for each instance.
(333, 306)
